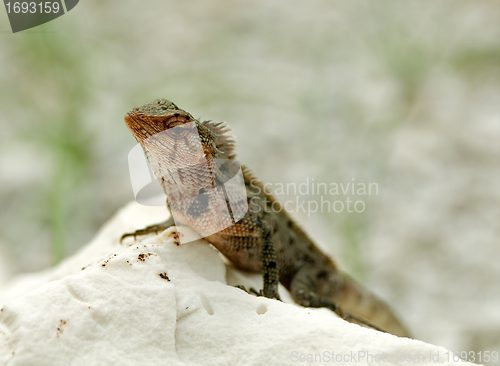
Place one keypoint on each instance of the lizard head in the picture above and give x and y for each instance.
(155, 117)
(161, 115)
(184, 153)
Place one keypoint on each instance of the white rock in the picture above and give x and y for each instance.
(119, 310)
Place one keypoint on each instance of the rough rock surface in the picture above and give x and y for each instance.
(156, 303)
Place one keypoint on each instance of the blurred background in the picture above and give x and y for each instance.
(402, 94)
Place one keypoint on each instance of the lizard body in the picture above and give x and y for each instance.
(263, 240)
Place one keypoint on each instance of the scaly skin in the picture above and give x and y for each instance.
(188, 155)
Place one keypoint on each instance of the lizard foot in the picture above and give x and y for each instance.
(253, 291)
(153, 229)
(309, 299)
(358, 320)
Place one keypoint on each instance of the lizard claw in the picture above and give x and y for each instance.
(146, 231)
(241, 287)
(253, 291)
(153, 229)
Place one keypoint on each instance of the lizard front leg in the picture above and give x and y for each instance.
(153, 229)
(270, 269)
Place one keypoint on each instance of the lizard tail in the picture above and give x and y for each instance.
(358, 301)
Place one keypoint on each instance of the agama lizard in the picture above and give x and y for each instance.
(263, 240)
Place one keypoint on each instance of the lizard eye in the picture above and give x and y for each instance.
(177, 132)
